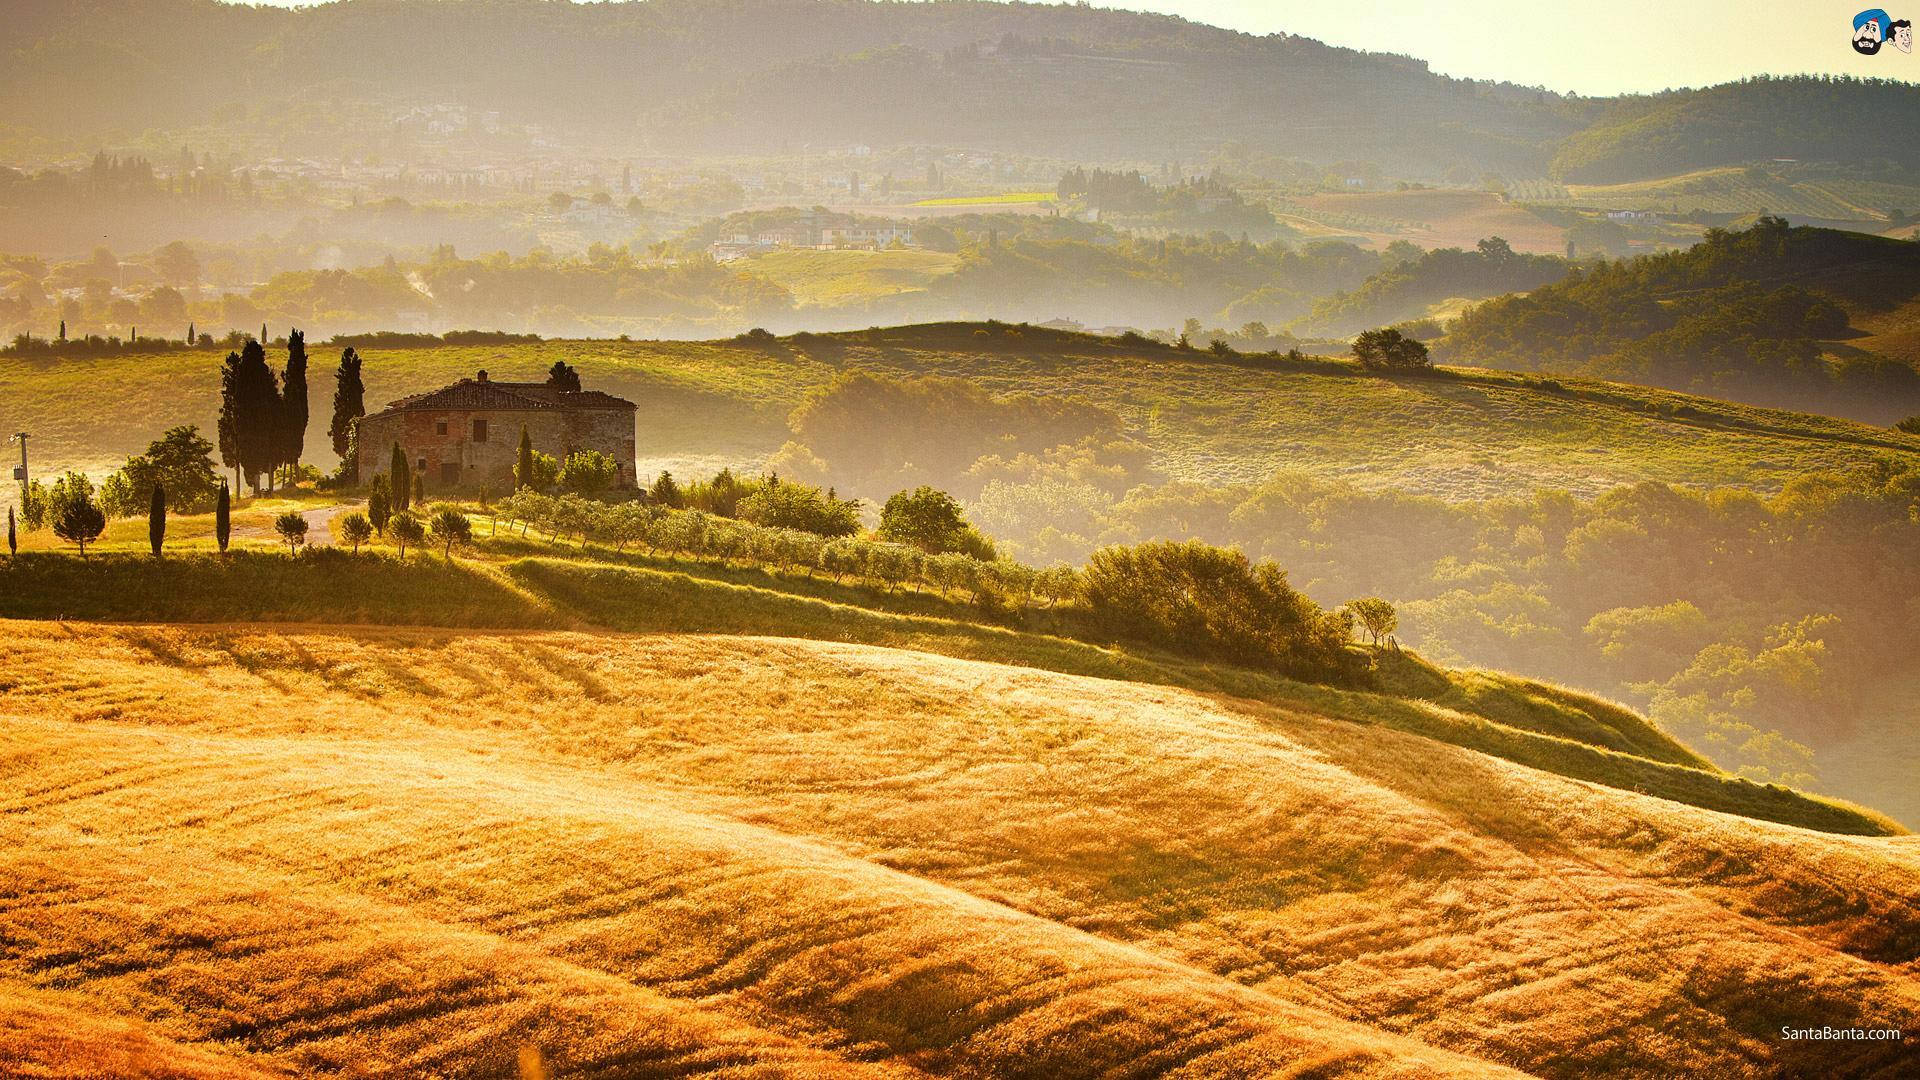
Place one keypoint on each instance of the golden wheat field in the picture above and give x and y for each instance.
(231, 850)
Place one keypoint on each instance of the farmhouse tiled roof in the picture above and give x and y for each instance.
(482, 394)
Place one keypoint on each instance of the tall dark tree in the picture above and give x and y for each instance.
(399, 481)
(524, 473)
(293, 402)
(157, 520)
(562, 377)
(229, 428)
(223, 517)
(256, 400)
(379, 504)
(349, 402)
(13, 536)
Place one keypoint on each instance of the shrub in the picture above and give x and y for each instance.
(1193, 596)
(1375, 616)
(449, 527)
(355, 529)
(586, 472)
(800, 506)
(406, 529)
(76, 518)
(931, 520)
(292, 528)
(1390, 350)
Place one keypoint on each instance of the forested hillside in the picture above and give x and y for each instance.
(765, 75)
(1760, 119)
(1764, 315)
(1407, 290)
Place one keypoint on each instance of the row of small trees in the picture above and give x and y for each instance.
(79, 516)
(447, 526)
(659, 529)
(1187, 596)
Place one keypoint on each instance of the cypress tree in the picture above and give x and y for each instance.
(157, 520)
(229, 426)
(399, 481)
(419, 491)
(223, 517)
(524, 473)
(13, 537)
(349, 402)
(293, 401)
(191, 338)
(379, 504)
(256, 400)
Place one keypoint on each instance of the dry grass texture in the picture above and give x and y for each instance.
(420, 852)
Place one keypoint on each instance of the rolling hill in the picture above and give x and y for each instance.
(236, 849)
(706, 404)
(1771, 314)
(1062, 81)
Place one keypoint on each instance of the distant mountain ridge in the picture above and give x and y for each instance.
(730, 76)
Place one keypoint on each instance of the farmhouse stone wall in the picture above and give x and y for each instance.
(463, 449)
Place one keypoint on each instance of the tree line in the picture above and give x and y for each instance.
(263, 415)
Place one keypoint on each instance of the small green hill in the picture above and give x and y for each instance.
(1769, 314)
(1756, 119)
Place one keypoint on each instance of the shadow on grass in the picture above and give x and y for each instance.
(643, 600)
(321, 585)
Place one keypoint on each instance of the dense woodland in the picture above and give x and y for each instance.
(1405, 291)
(1750, 315)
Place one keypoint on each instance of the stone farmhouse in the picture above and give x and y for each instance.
(467, 436)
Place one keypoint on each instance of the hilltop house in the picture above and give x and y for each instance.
(467, 436)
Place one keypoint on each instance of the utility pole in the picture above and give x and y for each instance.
(20, 473)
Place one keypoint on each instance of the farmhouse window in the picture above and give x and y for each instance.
(479, 430)
(440, 428)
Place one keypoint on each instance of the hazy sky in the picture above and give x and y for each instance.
(1590, 47)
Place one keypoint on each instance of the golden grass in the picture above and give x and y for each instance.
(417, 852)
(1523, 721)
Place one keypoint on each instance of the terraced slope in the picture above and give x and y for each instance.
(436, 851)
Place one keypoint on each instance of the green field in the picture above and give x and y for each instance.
(1005, 199)
(837, 278)
(1463, 434)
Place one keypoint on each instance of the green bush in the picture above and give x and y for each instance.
(1194, 597)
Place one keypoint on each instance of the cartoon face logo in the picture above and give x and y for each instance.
(1870, 30)
(1903, 35)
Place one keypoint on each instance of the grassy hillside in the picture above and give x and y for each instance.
(839, 278)
(1772, 314)
(376, 850)
(1431, 218)
(1522, 721)
(1802, 192)
(1471, 434)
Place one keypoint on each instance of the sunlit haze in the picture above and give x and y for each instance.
(1623, 46)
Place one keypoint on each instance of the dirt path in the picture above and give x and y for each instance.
(320, 523)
